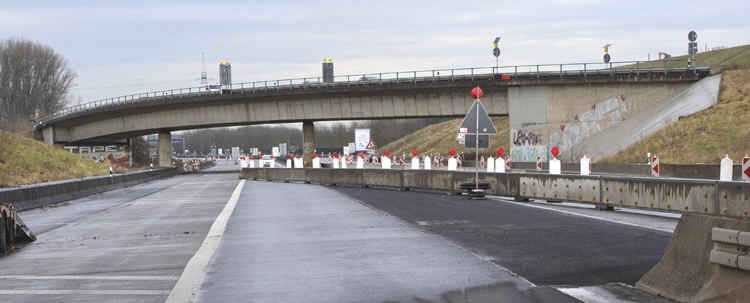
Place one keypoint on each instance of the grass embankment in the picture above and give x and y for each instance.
(733, 56)
(440, 138)
(27, 161)
(706, 136)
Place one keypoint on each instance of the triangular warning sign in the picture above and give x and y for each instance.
(470, 121)
(371, 145)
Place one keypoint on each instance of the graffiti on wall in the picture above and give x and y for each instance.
(588, 123)
(118, 155)
(527, 145)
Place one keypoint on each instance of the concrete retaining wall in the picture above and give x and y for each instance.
(722, 198)
(38, 195)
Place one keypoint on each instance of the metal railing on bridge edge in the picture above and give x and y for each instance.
(540, 70)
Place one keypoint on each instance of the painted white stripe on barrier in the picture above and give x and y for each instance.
(191, 277)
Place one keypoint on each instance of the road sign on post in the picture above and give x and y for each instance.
(470, 141)
(477, 125)
(477, 122)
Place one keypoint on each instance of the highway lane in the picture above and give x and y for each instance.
(308, 243)
(128, 245)
(547, 244)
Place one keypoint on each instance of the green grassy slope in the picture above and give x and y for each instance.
(27, 161)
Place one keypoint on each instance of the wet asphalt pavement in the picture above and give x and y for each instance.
(545, 247)
(309, 243)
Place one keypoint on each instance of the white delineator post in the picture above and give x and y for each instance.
(415, 159)
(452, 162)
(360, 162)
(725, 170)
(555, 168)
(288, 162)
(386, 161)
(315, 161)
(655, 166)
(585, 165)
(427, 163)
(500, 162)
(490, 164)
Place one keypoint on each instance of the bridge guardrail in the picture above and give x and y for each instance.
(723, 198)
(526, 71)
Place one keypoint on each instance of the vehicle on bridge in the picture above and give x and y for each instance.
(12, 228)
(213, 87)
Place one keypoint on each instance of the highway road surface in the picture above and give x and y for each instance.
(231, 240)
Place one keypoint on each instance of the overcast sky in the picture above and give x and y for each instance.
(128, 47)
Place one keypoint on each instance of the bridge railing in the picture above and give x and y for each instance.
(435, 75)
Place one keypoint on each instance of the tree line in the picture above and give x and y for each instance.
(331, 135)
(33, 79)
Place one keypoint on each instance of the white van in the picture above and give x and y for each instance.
(213, 87)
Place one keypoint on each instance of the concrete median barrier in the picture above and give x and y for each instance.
(38, 195)
(685, 273)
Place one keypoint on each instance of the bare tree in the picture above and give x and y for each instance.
(32, 76)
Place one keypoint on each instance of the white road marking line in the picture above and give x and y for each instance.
(175, 202)
(191, 277)
(90, 277)
(83, 292)
(588, 216)
(586, 296)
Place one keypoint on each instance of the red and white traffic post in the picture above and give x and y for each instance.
(654, 166)
(746, 169)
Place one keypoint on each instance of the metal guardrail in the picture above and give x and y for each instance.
(723, 198)
(538, 70)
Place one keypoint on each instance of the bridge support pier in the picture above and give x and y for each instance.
(164, 149)
(308, 142)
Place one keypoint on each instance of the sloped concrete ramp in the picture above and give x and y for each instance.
(698, 96)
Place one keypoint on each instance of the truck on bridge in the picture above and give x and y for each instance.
(12, 228)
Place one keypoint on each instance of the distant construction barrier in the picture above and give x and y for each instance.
(38, 195)
(724, 198)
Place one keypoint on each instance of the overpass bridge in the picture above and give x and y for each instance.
(538, 98)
